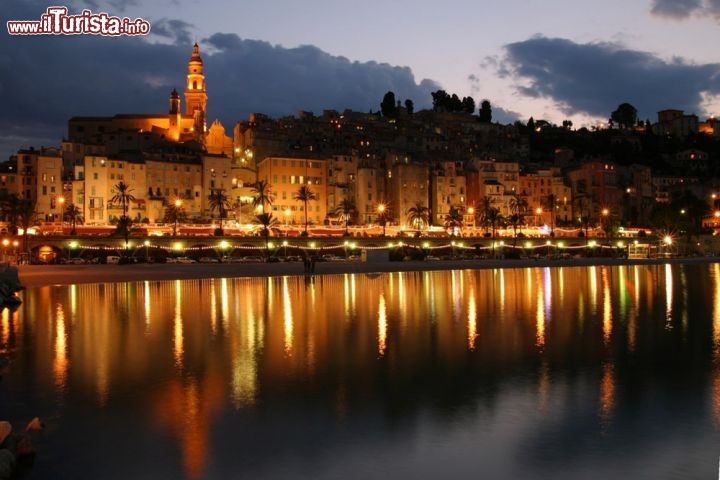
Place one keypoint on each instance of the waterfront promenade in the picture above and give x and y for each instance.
(41, 275)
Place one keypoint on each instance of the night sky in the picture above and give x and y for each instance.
(553, 60)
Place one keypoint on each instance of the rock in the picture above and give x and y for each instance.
(5, 430)
(7, 464)
(35, 424)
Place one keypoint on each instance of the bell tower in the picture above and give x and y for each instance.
(174, 116)
(195, 93)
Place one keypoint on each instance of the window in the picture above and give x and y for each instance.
(95, 176)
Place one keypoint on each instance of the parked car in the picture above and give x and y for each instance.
(208, 260)
(185, 260)
(112, 259)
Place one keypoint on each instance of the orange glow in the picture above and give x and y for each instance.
(288, 318)
(607, 395)
(382, 326)
(178, 327)
(607, 308)
(472, 320)
(60, 359)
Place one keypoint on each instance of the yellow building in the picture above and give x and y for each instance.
(36, 175)
(286, 175)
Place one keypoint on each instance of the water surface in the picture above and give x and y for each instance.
(561, 373)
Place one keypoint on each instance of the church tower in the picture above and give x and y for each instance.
(195, 93)
(175, 117)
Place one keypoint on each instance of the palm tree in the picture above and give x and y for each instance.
(585, 217)
(122, 194)
(218, 200)
(20, 213)
(453, 220)
(266, 220)
(73, 213)
(494, 219)
(486, 203)
(550, 204)
(174, 213)
(304, 194)
(262, 195)
(418, 216)
(346, 210)
(518, 208)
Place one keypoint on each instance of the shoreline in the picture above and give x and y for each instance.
(47, 275)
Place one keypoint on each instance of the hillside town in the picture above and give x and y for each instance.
(449, 169)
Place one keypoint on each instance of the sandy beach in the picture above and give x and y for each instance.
(42, 275)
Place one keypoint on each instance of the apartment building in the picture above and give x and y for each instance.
(286, 175)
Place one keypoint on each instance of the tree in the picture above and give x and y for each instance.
(453, 221)
(388, 108)
(625, 116)
(218, 201)
(346, 210)
(304, 194)
(518, 208)
(262, 195)
(418, 216)
(174, 213)
(550, 204)
(121, 191)
(485, 113)
(20, 213)
(493, 218)
(485, 206)
(409, 106)
(73, 213)
(531, 125)
(585, 218)
(267, 221)
(468, 105)
(440, 100)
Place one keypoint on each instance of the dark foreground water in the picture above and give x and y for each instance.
(568, 373)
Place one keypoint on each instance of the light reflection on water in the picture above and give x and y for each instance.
(523, 373)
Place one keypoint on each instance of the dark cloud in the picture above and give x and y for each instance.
(595, 78)
(109, 6)
(177, 31)
(675, 8)
(45, 80)
(682, 9)
(257, 76)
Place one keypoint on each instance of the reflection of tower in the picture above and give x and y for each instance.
(195, 93)
(175, 116)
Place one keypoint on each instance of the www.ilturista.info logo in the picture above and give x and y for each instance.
(57, 22)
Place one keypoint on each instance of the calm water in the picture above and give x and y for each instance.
(602, 372)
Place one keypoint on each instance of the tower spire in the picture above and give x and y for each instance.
(195, 93)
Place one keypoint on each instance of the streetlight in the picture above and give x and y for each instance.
(61, 202)
(178, 204)
(381, 216)
(605, 212)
